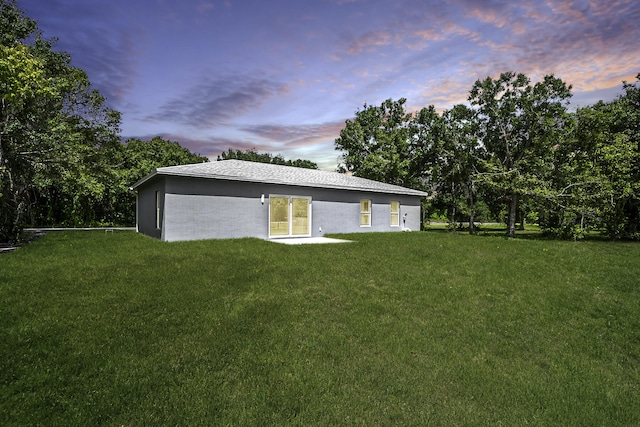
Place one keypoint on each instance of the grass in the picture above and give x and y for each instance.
(489, 229)
(405, 328)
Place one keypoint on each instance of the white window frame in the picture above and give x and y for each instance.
(367, 214)
(158, 210)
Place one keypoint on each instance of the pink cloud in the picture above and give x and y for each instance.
(443, 93)
(569, 12)
(589, 45)
(431, 34)
(370, 40)
(494, 17)
(204, 6)
(291, 136)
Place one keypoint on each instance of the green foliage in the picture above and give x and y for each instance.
(14, 25)
(99, 195)
(377, 145)
(254, 156)
(596, 170)
(142, 157)
(61, 160)
(22, 77)
(516, 150)
(453, 153)
(519, 124)
(394, 329)
(54, 127)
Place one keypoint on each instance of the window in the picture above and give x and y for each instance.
(158, 222)
(365, 213)
(395, 214)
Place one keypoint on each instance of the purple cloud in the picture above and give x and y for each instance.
(213, 102)
(590, 45)
(107, 53)
(297, 136)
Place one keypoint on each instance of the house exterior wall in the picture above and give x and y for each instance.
(198, 208)
(194, 217)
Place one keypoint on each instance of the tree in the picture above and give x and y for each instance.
(54, 126)
(518, 125)
(23, 81)
(597, 171)
(427, 135)
(457, 163)
(377, 144)
(253, 155)
(135, 160)
(624, 160)
(65, 203)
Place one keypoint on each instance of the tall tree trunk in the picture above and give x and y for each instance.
(452, 220)
(512, 216)
(472, 210)
(6, 182)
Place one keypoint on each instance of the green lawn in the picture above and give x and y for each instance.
(413, 328)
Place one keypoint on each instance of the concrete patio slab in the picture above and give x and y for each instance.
(308, 240)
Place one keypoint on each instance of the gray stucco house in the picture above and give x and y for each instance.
(234, 198)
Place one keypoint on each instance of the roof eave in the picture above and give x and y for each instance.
(143, 180)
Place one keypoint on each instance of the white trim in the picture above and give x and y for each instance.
(137, 216)
(158, 223)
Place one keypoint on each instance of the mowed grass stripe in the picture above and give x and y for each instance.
(402, 328)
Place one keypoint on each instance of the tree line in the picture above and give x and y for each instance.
(252, 155)
(62, 161)
(514, 151)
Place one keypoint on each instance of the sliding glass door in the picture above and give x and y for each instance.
(289, 216)
(278, 216)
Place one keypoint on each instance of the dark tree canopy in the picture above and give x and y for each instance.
(54, 126)
(61, 157)
(376, 144)
(253, 155)
(597, 170)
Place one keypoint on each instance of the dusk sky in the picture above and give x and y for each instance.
(282, 76)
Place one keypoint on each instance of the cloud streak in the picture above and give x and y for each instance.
(107, 53)
(590, 46)
(216, 101)
(296, 136)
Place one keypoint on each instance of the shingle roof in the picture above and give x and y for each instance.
(239, 170)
